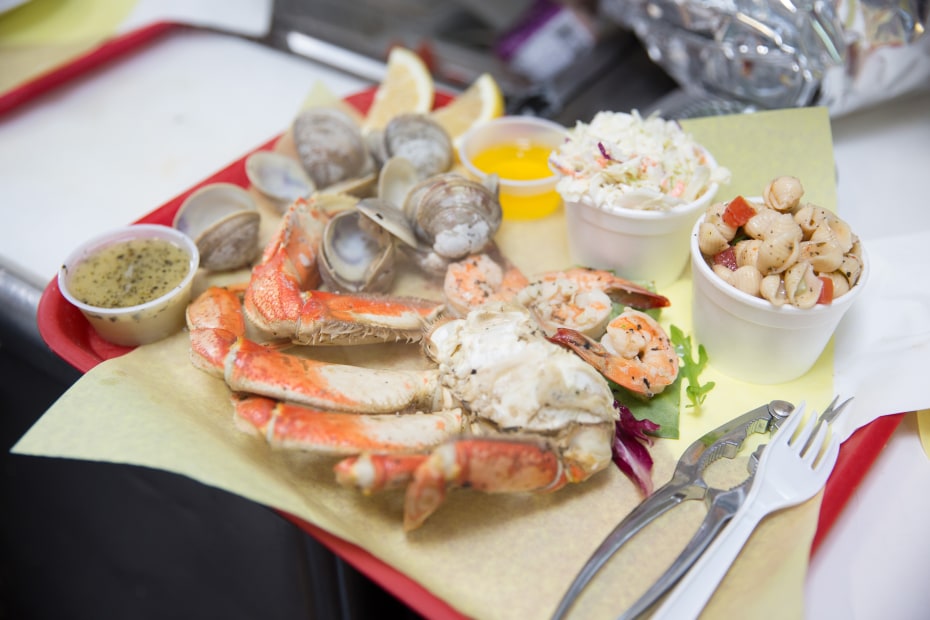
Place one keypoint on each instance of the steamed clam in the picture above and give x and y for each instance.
(440, 219)
(418, 139)
(223, 221)
(278, 177)
(454, 215)
(356, 255)
(330, 146)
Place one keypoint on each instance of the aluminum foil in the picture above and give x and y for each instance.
(843, 54)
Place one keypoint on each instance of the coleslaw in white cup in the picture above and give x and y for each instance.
(632, 189)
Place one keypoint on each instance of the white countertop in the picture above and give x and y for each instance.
(113, 145)
(110, 147)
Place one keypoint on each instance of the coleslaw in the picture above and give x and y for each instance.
(624, 161)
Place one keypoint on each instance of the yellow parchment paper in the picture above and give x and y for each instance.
(488, 556)
(923, 424)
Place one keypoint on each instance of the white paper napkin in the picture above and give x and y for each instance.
(883, 343)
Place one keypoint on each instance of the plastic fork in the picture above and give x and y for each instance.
(789, 472)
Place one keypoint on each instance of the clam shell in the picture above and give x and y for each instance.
(279, 177)
(454, 215)
(223, 221)
(420, 140)
(389, 217)
(398, 176)
(359, 186)
(330, 146)
(356, 255)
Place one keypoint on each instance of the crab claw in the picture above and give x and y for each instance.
(489, 465)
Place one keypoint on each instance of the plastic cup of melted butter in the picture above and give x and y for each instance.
(133, 284)
(516, 149)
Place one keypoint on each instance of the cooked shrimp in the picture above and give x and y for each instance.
(480, 278)
(562, 302)
(618, 289)
(579, 299)
(635, 352)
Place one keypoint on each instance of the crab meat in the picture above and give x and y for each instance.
(497, 360)
(542, 417)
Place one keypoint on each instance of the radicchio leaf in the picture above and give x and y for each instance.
(629, 448)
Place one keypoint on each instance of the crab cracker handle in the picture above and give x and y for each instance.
(722, 508)
(657, 504)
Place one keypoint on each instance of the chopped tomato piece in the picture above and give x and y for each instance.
(738, 212)
(727, 258)
(826, 293)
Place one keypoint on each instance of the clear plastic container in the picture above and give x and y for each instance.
(142, 323)
(510, 138)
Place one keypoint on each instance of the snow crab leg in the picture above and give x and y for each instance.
(289, 426)
(219, 347)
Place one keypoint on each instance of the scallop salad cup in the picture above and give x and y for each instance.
(751, 339)
(637, 244)
(142, 323)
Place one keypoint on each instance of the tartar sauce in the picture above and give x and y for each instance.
(129, 273)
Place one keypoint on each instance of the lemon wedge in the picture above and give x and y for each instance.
(478, 103)
(407, 87)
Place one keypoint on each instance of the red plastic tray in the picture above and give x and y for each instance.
(97, 57)
(69, 335)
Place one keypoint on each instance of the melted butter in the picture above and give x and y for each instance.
(518, 162)
(129, 273)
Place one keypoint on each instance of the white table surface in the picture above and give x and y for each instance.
(110, 147)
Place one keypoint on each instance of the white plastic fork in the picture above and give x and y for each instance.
(787, 475)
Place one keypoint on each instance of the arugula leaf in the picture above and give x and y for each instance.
(691, 368)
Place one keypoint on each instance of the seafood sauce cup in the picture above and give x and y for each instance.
(751, 339)
(136, 257)
(516, 148)
(641, 245)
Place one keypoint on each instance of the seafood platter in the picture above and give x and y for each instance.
(413, 364)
